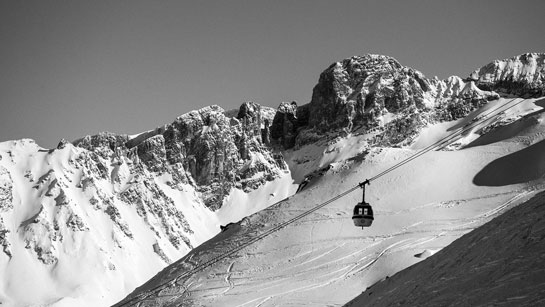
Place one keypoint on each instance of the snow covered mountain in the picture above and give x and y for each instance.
(117, 209)
(108, 203)
(323, 259)
(520, 75)
(374, 93)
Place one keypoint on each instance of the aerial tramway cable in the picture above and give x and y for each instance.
(448, 138)
(236, 249)
(217, 259)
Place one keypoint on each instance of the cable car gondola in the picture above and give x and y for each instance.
(363, 212)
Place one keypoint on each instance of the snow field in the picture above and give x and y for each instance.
(323, 259)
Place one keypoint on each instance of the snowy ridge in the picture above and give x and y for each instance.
(520, 75)
(112, 203)
(323, 259)
(118, 208)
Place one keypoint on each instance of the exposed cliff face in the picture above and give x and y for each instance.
(204, 148)
(357, 91)
(156, 195)
(376, 93)
(522, 75)
(203, 152)
(213, 152)
(128, 201)
(285, 124)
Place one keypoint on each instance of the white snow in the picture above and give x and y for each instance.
(240, 204)
(323, 259)
(99, 266)
(501, 111)
(498, 264)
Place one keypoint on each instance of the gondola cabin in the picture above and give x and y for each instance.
(363, 215)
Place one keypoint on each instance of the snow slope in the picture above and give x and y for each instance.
(323, 259)
(500, 263)
(70, 232)
(85, 223)
(51, 248)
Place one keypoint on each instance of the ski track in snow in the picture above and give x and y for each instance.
(493, 212)
(320, 259)
(327, 259)
(324, 254)
(357, 268)
(228, 280)
(342, 273)
(263, 302)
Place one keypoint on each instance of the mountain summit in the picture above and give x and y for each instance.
(375, 92)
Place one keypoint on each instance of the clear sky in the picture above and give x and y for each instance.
(71, 68)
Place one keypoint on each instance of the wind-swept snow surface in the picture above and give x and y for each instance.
(322, 259)
(502, 263)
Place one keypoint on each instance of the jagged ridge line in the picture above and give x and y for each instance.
(284, 224)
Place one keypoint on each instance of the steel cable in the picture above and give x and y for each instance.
(261, 236)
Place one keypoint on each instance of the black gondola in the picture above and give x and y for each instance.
(363, 212)
(363, 215)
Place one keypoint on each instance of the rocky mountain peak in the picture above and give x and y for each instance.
(158, 193)
(362, 91)
(349, 90)
(368, 64)
(143, 189)
(249, 109)
(219, 153)
(204, 148)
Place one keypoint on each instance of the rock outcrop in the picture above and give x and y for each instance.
(375, 92)
(6, 204)
(213, 152)
(204, 149)
(155, 196)
(285, 124)
(6, 187)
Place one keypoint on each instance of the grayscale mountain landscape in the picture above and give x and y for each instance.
(253, 206)
(303, 153)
